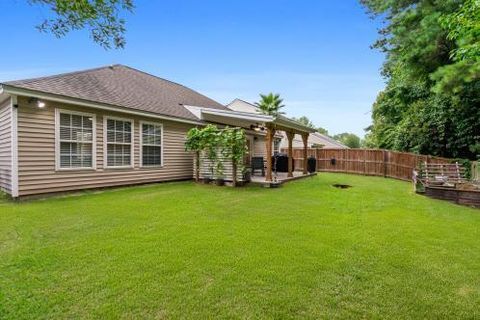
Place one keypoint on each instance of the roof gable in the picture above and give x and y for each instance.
(243, 106)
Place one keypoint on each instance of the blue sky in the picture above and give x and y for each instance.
(315, 53)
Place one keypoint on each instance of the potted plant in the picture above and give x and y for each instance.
(219, 176)
(208, 176)
(247, 175)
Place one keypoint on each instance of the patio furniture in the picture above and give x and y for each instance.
(258, 164)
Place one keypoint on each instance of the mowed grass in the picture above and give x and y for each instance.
(181, 250)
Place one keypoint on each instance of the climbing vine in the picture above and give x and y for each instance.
(213, 142)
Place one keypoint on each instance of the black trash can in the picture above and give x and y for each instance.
(311, 165)
(280, 162)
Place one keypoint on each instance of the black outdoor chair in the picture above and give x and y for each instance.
(258, 164)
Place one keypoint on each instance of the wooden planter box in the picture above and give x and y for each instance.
(463, 197)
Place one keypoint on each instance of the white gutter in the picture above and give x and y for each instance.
(90, 104)
(238, 115)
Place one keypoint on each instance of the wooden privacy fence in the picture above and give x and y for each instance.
(372, 162)
(476, 171)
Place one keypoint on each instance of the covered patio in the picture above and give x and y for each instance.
(266, 126)
(280, 178)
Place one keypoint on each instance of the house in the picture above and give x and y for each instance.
(315, 139)
(109, 126)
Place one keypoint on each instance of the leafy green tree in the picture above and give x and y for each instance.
(430, 103)
(307, 122)
(270, 104)
(323, 131)
(234, 147)
(101, 17)
(463, 27)
(349, 139)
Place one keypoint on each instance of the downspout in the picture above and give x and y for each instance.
(14, 147)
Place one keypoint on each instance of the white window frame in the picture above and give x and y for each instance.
(140, 130)
(58, 111)
(277, 143)
(105, 143)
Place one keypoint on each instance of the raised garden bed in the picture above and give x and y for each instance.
(464, 194)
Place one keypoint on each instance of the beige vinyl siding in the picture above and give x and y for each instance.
(259, 147)
(6, 146)
(36, 144)
(206, 165)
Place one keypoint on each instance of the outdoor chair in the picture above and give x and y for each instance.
(258, 164)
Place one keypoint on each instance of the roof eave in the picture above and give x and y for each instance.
(283, 123)
(239, 115)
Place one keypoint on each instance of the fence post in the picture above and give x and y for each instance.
(384, 163)
(365, 162)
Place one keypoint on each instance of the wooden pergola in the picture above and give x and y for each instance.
(291, 128)
(271, 125)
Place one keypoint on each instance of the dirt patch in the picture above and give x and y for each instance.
(341, 186)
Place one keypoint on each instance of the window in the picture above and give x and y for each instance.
(151, 144)
(75, 136)
(118, 141)
(276, 145)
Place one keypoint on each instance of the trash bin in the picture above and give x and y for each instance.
(280, 162)
(311, 165)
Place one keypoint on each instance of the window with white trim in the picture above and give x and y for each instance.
(276, 145)
(119, 136)
(76, 140)
(151, 148)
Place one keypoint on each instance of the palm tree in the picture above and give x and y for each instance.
(270, 104)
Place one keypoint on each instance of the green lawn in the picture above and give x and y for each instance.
(181, 250)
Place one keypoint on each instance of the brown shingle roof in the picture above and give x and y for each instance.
(122, 86)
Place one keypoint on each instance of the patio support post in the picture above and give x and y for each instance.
(305, 156)
(269, 141)
(290, 136)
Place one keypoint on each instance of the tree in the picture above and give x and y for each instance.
(463, 27)
(349, 139)
(270, 104)
(101, 17)
(323, 131)
(307, 122)
(234, 148)
(430, 103)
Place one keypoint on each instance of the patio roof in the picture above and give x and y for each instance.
(246, 119)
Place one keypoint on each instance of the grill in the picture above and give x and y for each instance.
(280, 162)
